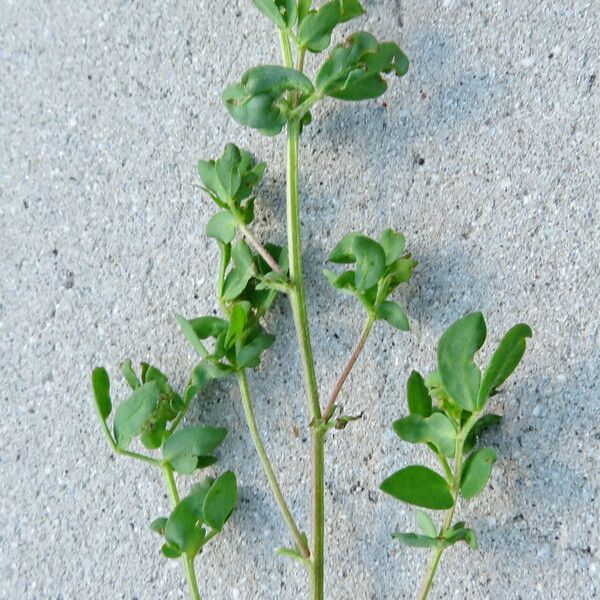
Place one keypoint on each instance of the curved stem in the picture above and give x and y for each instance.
(426, 586)
(188, 561)
(266, 464)
(328, 410)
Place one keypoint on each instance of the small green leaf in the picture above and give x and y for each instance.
(260, 99)
(417, 394)
(183, 449)
(158, 525)
(181, 530)
(461, 534)
(237, 323)
(353, 70)
(401, 270)
(101, 389)
(436, 429)
(271, 11)
(370, 262)
(344, 282)
(190, 335)
(476, 472)
(415, 540)
(237, 279)
(153, 435)
(170, 551)
(315, 30)
(133, 414)
(129, 374)
(205, 327)
(456, 350)
(344, 250)
(220, 501)
(350, 9)
(393, 245)
(249, 356)
(392, 313)
(504, 361)
(480, 425)
(420, 486)
(425, 524)
(221, 226)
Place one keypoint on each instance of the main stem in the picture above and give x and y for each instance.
(188, 562)
(298, 303)
(266, 464)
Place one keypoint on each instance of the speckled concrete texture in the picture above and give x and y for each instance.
(486, 155)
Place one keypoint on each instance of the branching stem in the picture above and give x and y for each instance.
(266, 464)
(328, 410)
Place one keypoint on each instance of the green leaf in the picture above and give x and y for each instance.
(237, 279)
(461, 534)
(504, 361)
(182, 449)
(152, 436)
(401, 270)
(220, 501)
(249, 356)
(170, 551)
(393, 245)
(158, 525)
(271, 11)
(425, 524)
(350, 9)
(304, 7)
(392, 313)
(353, 70)
(101, 390)
(209, 326)
(260, 99)
(436, 429)
(456, 350)
(415, 540)
(281, 12)
(133, 414)
(315, 30)
(221, 226)
(129, 374)
(344, 282)
(417, 394)
(344, 250)
(420, 486)
(481, 424)
(370, 262)
(190, 335)
(181, 530)
(476, 472)
(237, 323)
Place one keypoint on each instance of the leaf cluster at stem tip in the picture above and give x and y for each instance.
(445, 415)
(267, 97)
(379, 267)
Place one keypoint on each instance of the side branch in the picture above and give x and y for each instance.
(330, 407)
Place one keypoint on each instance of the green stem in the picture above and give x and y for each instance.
(188, 561)
(455, 490)
(113, 444)
(298, 303)
(266, 464)
(426, 586)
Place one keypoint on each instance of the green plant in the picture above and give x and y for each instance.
(270, 98)
(153, 412)
(445, 413)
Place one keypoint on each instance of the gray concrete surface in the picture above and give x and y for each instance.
(486, 155)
